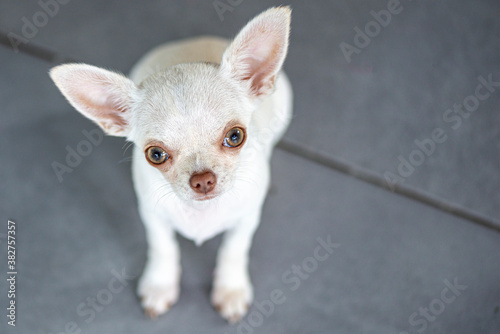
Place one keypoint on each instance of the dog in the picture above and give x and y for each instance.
(203, 115)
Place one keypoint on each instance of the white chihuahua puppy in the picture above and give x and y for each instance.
(204, 115)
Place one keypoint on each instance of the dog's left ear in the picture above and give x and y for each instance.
(257, 53)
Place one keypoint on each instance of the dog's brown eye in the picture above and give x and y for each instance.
(234, 137)
(156, 155)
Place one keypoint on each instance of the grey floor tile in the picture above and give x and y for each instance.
(397, 91)
(394, 259)
(394, 256)
(369, 111)
(26, 91)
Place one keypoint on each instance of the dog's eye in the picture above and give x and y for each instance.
(234, 137)
(156, 155)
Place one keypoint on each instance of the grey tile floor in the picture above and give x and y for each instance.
(399, 251)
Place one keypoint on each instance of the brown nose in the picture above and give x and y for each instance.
(203, 183)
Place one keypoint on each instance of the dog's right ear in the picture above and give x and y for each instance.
(104, 97)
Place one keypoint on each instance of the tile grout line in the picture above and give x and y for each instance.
(34, 50)
(311, 155)
(375, 179)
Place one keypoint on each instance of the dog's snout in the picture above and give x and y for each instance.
(203, 183)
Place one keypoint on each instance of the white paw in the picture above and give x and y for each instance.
(231, 302)
(157, 299)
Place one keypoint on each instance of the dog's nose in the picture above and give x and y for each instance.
(203, 183)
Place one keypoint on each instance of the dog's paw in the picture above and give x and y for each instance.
(232, 303)
(157, 299)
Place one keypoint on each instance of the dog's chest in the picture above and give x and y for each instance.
(202, 223)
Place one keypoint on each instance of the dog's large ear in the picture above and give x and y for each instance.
(259, 50)
(102, 96)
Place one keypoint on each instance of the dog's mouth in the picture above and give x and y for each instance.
(206, 197)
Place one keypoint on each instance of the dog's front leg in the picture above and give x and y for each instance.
(232, 291)
(158, 286)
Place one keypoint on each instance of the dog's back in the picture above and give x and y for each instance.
(200, 49)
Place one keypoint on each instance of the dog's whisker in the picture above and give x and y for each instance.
(126, 159)
(129, 144)
(159, 193)
(167, 194)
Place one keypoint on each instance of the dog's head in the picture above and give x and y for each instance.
(191, 120)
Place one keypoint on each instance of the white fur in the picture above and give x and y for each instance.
(178, 100)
